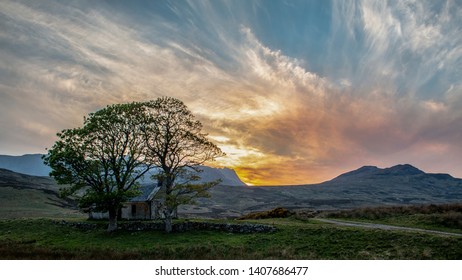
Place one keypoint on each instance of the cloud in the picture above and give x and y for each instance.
(319, 125)
(408, 47)
(389, 92)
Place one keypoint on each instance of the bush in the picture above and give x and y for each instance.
(449, 219)
(275, 213)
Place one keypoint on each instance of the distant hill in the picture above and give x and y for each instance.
(33, 165)
(31, 196)
(367, 186)
(403, 175)
(27, 164)
(373, 171)
(24, 195)
(227, 176)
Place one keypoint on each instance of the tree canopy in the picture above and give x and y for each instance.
(106, 158)
(119, 144)
(178, 147)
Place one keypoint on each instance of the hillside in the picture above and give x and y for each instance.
(32, 196)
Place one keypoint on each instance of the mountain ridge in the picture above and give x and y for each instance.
(367, 186)
(396, 170)
(32, 164)
(364, 187)
(29, 164)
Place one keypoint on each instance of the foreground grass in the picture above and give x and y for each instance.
(45, 239)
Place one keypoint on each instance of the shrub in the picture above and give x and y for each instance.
(274, 213)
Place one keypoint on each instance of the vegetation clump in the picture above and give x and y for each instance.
(279, 212)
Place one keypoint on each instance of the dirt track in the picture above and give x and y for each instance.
(386, 227)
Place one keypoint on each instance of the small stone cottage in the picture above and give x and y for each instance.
(145, 206)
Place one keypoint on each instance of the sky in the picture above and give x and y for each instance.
(294, 92)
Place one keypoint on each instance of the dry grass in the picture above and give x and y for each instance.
(445, 216)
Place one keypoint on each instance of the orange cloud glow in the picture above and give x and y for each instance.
(290, 99)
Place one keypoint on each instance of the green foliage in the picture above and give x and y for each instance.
(178, 147)
(106, 157)
(103, 201)
(175, 137)
(117, 145)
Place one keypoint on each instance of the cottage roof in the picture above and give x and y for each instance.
(147, 192)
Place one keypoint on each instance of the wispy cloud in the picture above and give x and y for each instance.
(389, 90)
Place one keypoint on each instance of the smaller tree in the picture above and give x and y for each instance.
(105, 158)
(178, 147)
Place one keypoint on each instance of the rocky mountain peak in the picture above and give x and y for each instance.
(402, 170)
(372, 171)
(362, 171)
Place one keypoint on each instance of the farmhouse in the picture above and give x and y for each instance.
(145, 206)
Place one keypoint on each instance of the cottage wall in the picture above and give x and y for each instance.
(132, 211)
(137, 211)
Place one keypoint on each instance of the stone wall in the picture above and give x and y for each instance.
(188, 226)
(182, 227)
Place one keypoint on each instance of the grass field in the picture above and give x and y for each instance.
(445, 217)
(294, 239)
(17, 203)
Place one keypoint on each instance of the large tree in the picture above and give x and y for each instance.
(104, 159)
(178, 147)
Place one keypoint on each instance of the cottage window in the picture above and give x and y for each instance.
(133, 209)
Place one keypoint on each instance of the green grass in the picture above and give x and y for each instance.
(45, 239)
(446, 217)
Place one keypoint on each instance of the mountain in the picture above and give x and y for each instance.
(368, 186)
(227, 176)
(363, 171)
(373, 171)
(402, 174)
(33, 165)
(27, 164)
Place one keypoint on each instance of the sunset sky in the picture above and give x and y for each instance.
(293, 91)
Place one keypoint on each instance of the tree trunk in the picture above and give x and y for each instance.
(168, 224)
(112, 220)
(175, 213)
(168, 219)
(168, 211)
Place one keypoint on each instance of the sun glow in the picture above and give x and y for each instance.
(283, 114)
